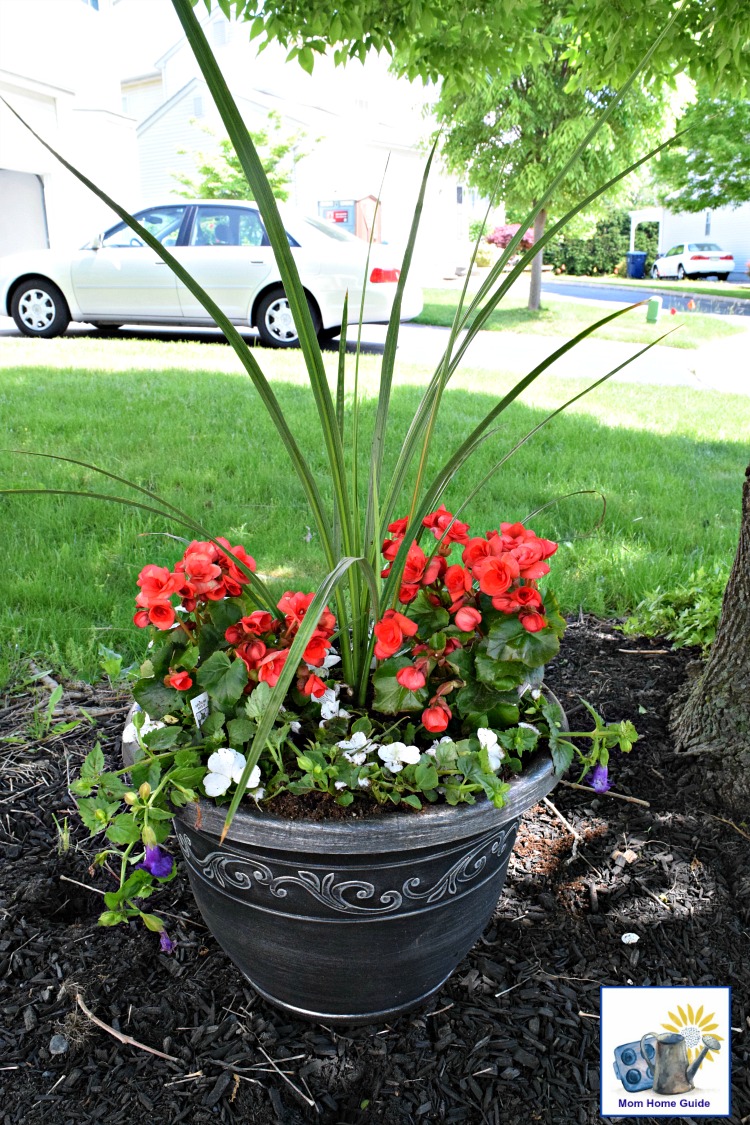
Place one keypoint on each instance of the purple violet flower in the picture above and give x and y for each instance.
(165, 942)
(157, 862)
(599, 780)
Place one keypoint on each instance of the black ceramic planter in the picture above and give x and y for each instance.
(357, 920)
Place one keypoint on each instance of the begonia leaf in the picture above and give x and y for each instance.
(223, 679)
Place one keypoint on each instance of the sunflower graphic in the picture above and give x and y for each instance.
(692, 1026)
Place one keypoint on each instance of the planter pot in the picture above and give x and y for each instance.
(356, 920)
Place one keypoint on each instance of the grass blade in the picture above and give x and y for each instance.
(373, 531)
(258, 181)
(288, 672)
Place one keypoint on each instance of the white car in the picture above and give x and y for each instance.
(694, 259)
(116, 279)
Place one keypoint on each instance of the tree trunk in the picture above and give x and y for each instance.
(535, 287)
(713, 724)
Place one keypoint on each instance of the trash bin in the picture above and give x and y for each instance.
(636, 262)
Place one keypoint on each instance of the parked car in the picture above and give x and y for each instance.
(694, 259)
(117, 279)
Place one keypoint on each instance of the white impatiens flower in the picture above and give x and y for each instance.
(432, 750)
(339, 785)
(330, 708)
(130, 734)
(398, 755)
(224, 767)
(357, 748)
(488, 741)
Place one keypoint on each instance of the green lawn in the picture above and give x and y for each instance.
(684, 288)
(183, 420)
(566, 318)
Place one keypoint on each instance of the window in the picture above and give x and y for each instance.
(673, 252)
(707, 231)
(228, 226)
(198, 107)
(163, 222)
(703, 246)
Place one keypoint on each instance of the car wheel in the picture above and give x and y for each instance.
(722, 277)
(275, 322)
(39, 308)
(655, 273)
(681, 275)
(328, 335)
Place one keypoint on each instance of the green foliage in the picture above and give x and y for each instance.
(219, 173)
(483, 256)
(513, 138)
(604, 251)
(686, 614)
(445, 39)
(477, 228)
(709, 167)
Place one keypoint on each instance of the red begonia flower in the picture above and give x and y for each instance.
(467, 619)
(531, 621)
(411, 678)
(496, 574)
(436, 718)
(180, 681)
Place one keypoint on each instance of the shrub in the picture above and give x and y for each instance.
(501, 236)
(483, 255)
(476, 229)
(603, 251)
(687, 614)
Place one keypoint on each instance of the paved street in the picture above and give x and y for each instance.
(718, 305)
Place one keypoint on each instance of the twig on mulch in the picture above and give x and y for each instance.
(43, 677)
(310, 1101)
(86, 887)
(609, 793)
(574, 832)
(122, 1038)
(646, 651)
(731, 825)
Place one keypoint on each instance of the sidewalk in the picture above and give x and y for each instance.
(722, 365)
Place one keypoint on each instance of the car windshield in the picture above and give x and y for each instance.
(703, 246)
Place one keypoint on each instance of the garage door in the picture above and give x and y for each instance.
(23, 218)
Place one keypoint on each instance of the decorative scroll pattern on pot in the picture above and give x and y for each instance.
(230, 872)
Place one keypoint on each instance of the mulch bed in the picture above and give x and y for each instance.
(512, 1037)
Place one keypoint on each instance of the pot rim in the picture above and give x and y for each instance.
(391, 832)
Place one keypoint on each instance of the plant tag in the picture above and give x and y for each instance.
(199, 707)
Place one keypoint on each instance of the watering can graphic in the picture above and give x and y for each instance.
(672, 1075)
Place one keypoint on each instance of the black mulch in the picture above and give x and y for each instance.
(513, 1037)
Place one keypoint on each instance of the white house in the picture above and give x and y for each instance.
(56, 72)
(360, 123)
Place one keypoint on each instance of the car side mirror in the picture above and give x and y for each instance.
(97, 242)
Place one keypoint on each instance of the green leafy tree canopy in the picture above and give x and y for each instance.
(219, 174)
(511, 139)
(457, 40)
(710, 168)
